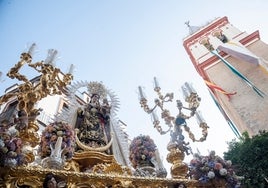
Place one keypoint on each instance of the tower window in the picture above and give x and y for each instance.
(223, 38)
(220, 36)
(207, 44)
(65, 106)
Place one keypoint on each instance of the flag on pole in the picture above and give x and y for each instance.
(213, 86)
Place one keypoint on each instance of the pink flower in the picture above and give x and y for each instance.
(19, 142)
(218, 166)
(53, 138)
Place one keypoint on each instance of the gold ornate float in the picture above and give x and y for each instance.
(91, 162)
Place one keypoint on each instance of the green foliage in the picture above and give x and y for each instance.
(250, 158)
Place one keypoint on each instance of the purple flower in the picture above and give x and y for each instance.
(203, 179)
(211, 164)
(142, 148)
(51, 133)
(204, 168)
(11, 146)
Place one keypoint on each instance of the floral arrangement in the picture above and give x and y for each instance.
(142, 149)
(10, 148)
(213, 167)
(50, 135)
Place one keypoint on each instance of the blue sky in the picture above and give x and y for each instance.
(125, 44)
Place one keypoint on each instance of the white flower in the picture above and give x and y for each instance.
(204, 160)
(143, 157)
(2, 144)
(223, 171)
(10, 162)
(26, 149)
(211, 174)
(229, 163)
(12, 132)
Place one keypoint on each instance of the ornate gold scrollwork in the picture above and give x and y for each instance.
(88, 148)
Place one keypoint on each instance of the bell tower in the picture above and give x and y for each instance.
(233, 65)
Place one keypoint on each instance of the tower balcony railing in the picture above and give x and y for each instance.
(44, 118)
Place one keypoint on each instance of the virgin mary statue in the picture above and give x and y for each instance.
(93, 120)
(93, 114)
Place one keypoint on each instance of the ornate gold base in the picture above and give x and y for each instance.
(34, 177)
(95, 162)
(30, 135)
(52, 163)
(179, 169)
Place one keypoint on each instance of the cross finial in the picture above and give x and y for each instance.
(192, 29)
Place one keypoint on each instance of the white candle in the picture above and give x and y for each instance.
(199, 117)
(189, 87)
(51, 56)
(156, 84)
(54, 54)
(154, 116)
(57, 149)
(185, 92)
(141, 94)
(31, 49)
(71, 69)
(159, 161)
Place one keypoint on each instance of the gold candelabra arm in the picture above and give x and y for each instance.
(158, 91)
(36, 65)
(177, 146)
(52, 81)
(67, 79)
(14, 71)
(169, 120)
(204, 128)
(144, 105)
(193, 100)
(159, 102)
(163, 98)
(25, 58)
(193, 105)
(159, 128)
(168, 97)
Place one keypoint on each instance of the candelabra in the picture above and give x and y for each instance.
(52, 81)
(177, 146)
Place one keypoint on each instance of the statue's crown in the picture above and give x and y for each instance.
(97, 88)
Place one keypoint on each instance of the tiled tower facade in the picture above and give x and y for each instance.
(234, 66)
